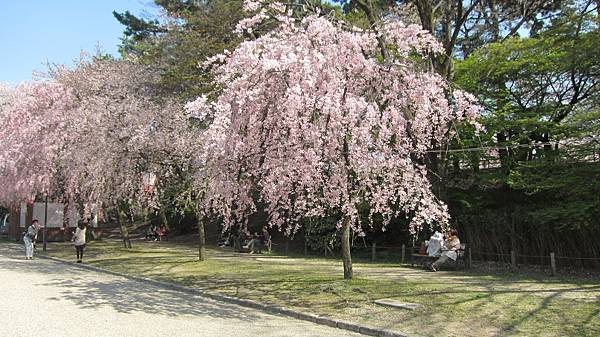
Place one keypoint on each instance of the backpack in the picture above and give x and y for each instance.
(31, 232)
(422, 249)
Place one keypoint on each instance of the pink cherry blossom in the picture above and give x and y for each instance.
(310, 119)
(90, 134)
(33, 133)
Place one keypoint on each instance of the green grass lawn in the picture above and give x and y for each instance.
(455, 303)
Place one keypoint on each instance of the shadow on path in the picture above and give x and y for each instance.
(88, 290)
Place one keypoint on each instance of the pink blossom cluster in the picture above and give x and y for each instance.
(91, 134)
(252, 5)
(125, 131)
(28, 156)
(248, 24)
(411, 38)
(310, 120)
(262, 10)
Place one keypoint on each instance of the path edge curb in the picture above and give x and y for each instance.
(268, 308)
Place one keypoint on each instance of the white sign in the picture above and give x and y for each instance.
(74, 217)
(23, 214)
(55, 213)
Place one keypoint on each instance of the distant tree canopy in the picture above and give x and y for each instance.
(191, 32)
(533, 64)
(541, 95)
(528, 179)
(531, 86)
(461, 26)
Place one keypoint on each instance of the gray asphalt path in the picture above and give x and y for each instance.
(46, 298)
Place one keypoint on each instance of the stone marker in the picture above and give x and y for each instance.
(388, 302)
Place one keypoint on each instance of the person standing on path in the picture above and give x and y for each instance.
(79, 239)
(29, 238)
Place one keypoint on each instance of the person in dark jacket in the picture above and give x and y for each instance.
(29, 237)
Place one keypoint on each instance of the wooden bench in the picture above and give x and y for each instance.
(162, 236)
(425, 260)
(421, 259)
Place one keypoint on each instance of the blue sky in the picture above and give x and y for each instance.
(35, 31)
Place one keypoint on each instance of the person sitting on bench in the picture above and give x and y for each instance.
(448, 251)
(434, 244)
(161, 233)
(255, 245)
(225, 241)
(151, 233)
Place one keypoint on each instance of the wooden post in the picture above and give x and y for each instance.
(45, 230)
(470, 258)
(373, 248)
(513, 259)
(403, 253)
(201, 237)
(553, 264)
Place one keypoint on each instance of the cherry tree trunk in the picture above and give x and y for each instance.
(124, 230)
(163, 218)
(146, 215)
(201, 236)
(346, 256)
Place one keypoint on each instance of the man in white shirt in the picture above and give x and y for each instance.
(434, 245)
(449, 251)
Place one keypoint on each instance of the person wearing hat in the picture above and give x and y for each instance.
(29, 238)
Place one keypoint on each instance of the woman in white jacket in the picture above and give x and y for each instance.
(79, 239)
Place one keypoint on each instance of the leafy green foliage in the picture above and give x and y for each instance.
(536, 188)
(136, 30)
(193, 32)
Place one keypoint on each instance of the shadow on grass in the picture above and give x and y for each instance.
(236, 271)
(513, 326)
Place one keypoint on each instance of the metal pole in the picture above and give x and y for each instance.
(44, 232)
(553, 264)
(373, 249)
(403, 252)
(470, 258)
(513, 259)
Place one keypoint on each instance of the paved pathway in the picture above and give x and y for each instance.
(45, 298)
